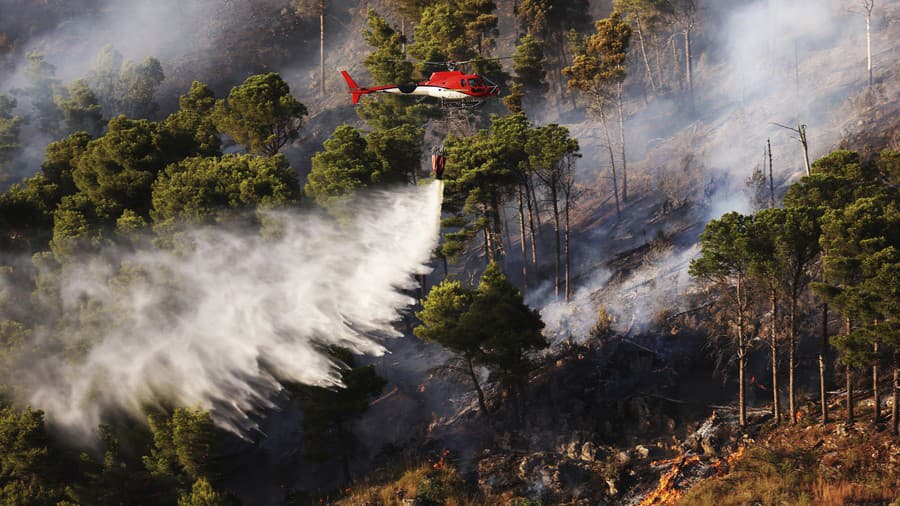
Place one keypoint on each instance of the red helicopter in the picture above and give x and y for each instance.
(452, 86)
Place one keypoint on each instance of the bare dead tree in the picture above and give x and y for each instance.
(801, 132)
(771, 180)
(570, 194)
(322, 48)
(868, 5)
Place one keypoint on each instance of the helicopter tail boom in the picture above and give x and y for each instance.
(355, 90)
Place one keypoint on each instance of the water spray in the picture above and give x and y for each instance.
(223, 325)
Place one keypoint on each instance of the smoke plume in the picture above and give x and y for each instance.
(755, 63)
(222, 325)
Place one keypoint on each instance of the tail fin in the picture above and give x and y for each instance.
(355, 90)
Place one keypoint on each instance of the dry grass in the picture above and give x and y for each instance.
(812, 465)
(431, 486)
(841, 493)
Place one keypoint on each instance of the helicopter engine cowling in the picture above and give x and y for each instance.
(407, 88)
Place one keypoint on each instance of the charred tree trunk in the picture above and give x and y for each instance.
(621, 111)
(481, 402)
(612, 159)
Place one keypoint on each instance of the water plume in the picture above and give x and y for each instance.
(222, 325)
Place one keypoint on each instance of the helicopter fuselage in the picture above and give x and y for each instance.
(445, 85)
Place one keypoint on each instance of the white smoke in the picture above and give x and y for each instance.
(219, 326)
(756, 63)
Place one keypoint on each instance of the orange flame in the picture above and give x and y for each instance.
(440, 463)
(667, 493)
(723, 467)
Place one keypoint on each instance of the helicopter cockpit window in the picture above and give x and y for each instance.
(462, 83)
(475, 83)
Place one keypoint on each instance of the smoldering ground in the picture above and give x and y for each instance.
(220, 323)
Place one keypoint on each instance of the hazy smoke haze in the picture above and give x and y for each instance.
(221, 325)
(755, 63)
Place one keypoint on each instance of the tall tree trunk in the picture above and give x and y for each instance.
(876, 397)
(523, 239)
(481, 403)
(792, 348)
(659, 72)
(676, 73)
(773, 348)
(848, 376)
(563, 62)
(554, 197)
(823, 355)
(566, 241)
(497, 228)
(537, 208)
(869, 5)
(689, 69)
(531, 213)
(621, 111)
(640, 33)
(742, 358)
(802, 131)
(504, 232)
(895, 392)
(612, 159)
(485, 228)
(771, 179)
(515, 16)
(322, 48)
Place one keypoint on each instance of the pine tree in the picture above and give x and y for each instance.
(80, 109)
(599, 71)
(260, 114)
(725, 265)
